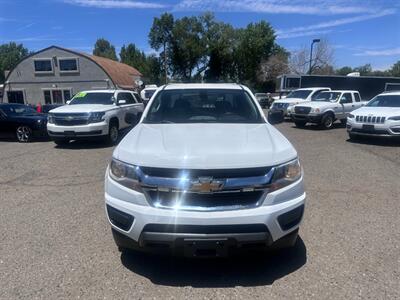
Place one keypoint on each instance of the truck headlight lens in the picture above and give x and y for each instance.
(396, 118)
(96, 117)
(285, 175)
(50, 119)
(125, 174)
(315, 110)
(351, 116)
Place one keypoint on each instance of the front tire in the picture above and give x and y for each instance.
(113, 134)
(23, 134)
(327, 121)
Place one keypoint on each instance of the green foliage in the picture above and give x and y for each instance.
(103, 48)
(344, 70)
(395, 70)
(10, 55)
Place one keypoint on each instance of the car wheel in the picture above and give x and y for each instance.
(24, 134)
(300, 124)
(327, 121)
(61, 142)
(113, 134)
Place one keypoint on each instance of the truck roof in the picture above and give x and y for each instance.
(344, 91)
(230, 86)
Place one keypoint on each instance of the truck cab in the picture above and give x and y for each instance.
(326, 108)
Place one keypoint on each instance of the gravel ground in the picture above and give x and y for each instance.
(57, 244)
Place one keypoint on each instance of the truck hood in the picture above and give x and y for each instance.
(377, 111)
(291, 100)
(82, 108)
(204, 146)
(319, 104)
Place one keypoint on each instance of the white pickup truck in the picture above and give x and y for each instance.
(285, 106)
(204, 173)
(326, 108)
(97, 113)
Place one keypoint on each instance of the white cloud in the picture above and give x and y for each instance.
(302, 30)
(115, 4)
(301, 34)
(310, 7)
(383, 52)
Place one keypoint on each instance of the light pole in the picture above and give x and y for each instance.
(312, 45)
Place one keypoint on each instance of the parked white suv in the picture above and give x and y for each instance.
(98, 113)
(380, 117)
(286, 105)
(203, 173)
(326, 108)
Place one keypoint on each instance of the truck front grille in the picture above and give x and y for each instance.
(71, 119)
(205, 202)
(370, 119)
(302, 110)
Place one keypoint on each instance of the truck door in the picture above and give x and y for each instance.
(347, 104)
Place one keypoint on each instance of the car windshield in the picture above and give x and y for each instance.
(301, 94)
(93, 98)
(327, 97)
(203, 106)
(385, 101)
(18, 110)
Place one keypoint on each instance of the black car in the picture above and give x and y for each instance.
(23, 121)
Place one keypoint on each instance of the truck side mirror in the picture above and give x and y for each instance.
(131, 118)
(275, 117)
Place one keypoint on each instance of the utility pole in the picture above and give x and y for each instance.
(312, 45)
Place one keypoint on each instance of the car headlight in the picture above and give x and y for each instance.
(351, 116)
(396, 118)
(96, 117)
(125, 174)
(50, 119)
(315, 110)
(285, 175)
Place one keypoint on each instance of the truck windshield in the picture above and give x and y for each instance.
(327, 97)
(93, 98)
(18, 110)
(203, 106)
(385, 101)
(301, 94)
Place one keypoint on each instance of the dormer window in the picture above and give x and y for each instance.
(68, 65)
(43, 65)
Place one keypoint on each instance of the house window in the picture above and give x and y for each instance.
(43, 65)
(68, 64)
(56, 96)
(15, 97)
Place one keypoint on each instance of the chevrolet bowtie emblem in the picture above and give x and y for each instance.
(206, 185)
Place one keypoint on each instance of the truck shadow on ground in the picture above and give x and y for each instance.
(252, 270)
(316, 127)
(376, 141)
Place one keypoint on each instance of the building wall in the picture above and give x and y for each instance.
(24, 78)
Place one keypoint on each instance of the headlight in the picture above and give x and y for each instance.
(50, 119)
(125, 174)
(315, 110)
(96, 117)
(285, 175)
(396, 118)
(351, 116)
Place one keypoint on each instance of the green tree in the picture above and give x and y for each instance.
(344, 70)
(187, 47)
(160, 37)
(133, 56)
(103, 48)
(364, 69)
(10, 55)
(395, 69)
(255, 43)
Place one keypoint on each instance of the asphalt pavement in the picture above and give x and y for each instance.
(55, 242)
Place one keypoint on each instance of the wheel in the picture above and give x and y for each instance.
(23, 133)
(61, 142)
(300, 124)
(113, 133)
(327, 121)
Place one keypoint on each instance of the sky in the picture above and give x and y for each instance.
(360, 31)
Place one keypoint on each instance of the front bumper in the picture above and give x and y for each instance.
(280, 215)
(307, 118)
(388, 129)
(89, 130)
